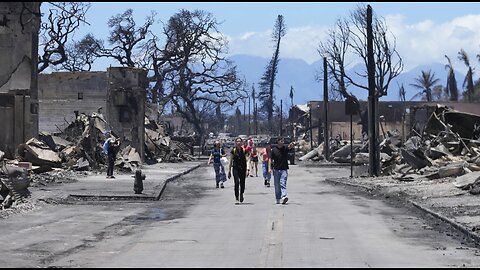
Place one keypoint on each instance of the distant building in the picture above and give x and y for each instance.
(394, 115)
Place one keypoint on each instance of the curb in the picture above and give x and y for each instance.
(131, 197)
(325, 164)
(173, 178)
(110, 197)
(456, 225)
(445, 219)
(348, 184)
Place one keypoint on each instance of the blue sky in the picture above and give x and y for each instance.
(425, 32)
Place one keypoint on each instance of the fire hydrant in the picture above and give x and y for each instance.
(138, 182)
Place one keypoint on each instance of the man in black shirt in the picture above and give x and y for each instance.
(111, 156)
(279, 163)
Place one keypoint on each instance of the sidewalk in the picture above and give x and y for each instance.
(438, 197)
(98, 187)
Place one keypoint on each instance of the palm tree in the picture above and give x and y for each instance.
(468, 94)
(425, 82)
(401, 92)
(438, 93)
(291, 94)
(476, 91)
(451, 89)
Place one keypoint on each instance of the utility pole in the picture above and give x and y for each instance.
(319, 128)
(325, 106)
(244, 114)
(254, 111)
(281, 115)
(256, 119)
(374, 153)
(310, 125)
(249, 116)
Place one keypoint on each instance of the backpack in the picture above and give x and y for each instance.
(235, 150)
(105, 146)
(236, 157)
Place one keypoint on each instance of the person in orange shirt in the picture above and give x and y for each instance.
(265, 156)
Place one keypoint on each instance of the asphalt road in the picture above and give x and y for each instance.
(197, 225)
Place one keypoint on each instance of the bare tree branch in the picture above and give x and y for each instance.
(349, 37)
(191, 70)
(63, 19)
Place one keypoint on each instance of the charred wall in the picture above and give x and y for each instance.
(125, 110)
(19, 27)
(61, 94)
(118, 93)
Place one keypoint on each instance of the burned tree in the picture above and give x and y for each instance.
(334, 93)
(401, 92)
(196, 77)
(267, 81)
(468, 81)
(451, 89)
(132, 46)
(291, 96)
(349, 38)
(62, 21)
(439, 93)
(126, 39)
(335, 48)
(80, 54)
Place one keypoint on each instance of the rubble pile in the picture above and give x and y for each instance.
(449, 146)
(55, 177)
(14, 185)
(62, 157)
(159, 146)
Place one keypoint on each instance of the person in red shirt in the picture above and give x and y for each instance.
(250, 141)
(248, 149)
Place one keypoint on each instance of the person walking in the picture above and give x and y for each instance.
(254, 161)
(265, 157)
(112, 146)
(247, 149)
(217, 153)
(279, 163)
(238, 164)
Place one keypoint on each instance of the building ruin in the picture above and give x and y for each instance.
(19, 27)
(403, 116)
(118, 93)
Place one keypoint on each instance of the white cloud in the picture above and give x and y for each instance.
(302, 42)
(299, 42)
(423, 42)
(251, 43)
(426, 42)
(247, 35)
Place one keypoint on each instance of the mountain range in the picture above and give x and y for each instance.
(300, 75)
